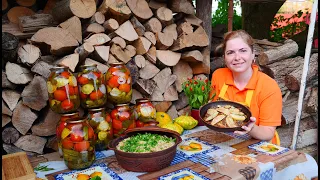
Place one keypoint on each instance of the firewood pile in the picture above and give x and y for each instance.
(162, 43)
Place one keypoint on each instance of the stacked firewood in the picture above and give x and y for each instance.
(162, 43)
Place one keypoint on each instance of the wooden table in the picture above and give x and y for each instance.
(236, 146)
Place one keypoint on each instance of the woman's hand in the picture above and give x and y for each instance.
(247, 128)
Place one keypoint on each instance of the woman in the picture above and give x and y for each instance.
(242, 82)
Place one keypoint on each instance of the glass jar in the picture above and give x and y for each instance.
(101, 123)
(77, 139)
(122, 119)
(63, 91)
(118, 82)
(145, 112)
(92, 88)
(61, 125)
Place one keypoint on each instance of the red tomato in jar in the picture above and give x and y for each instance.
(76, 136)
(69, 89)
(67, 104)
(113, 82)
(139, 123)
(60, 95)
(76, 90)
(132, 125)
(83, 80)
(67, 143)
(112, 69)
(116, 124)
(97, 74)
(125, 88)
(90, 133)
(83, 96)
(95, 95)
(114, 114)
(60, 128)
(124, 116)
(82, 146)
(65, 74)
(108, 118)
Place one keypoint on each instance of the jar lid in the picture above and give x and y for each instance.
(116, 63)
(119, 105)
(88, 65)
(70, 114)
(76, 120)
(59, 67)
(96, 109)
(143, 100)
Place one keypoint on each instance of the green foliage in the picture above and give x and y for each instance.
(221, 15)
(280, 33)
(197, 91)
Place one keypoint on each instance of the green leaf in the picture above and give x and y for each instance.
(96, 178)
(200, 98)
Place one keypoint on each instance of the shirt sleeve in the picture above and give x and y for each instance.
(213, 86)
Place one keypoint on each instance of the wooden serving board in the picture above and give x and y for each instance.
(17, 166)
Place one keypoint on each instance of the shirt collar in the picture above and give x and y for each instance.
(252, 82)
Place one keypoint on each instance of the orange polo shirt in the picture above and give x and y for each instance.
(266, 103)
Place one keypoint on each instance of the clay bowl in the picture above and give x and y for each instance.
(203, 110)
(145, 162)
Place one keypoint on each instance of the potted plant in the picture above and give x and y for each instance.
(198, 93)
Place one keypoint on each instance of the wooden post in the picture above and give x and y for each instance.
(230, 15)
(204, 11)
(304, 73)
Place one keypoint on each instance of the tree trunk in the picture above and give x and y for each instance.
(203, 11)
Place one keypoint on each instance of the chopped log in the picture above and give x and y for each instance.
(140, 9)
(163, 41)
(171, 31)
(184, 6)
(119, 41)
(134, 71)
(101, 53)
(165, 16)
(288, 49)
(140, 61)
(6, 83)
(17, 74)
(153, 25)
(9, 48)
(163, 106)
(47, 125)
(9, 149)
(29, 54)
(167, 57)
(52, 143)
(57, 40)
(18, 11)
(26, 3)
(35, 22)
(94, 28)
(112, 59)
(49, 6)
(156, 95)
(201, 77)
(293, 79)
(119, 53)
(14, 29)
(11, 98)
(98, 17)
(154, 5)
(184, 28)
(70, 61)
(140, 29)
(130, 50)
(103, 68)
(5, 6)
(23, 118)
(312, 103)
(35, 94)
(42, 68)
(110, 25)
(182, 101)
(198, 38)
(31, 143)
(5, 120)
(162, 79)
(116, 9)
(192, 56)
(98, 39)
(184, 111)
(6, 110)
(183, 71)
(135, 95)
(192, 19)
(145, 86)
(287, 109)
(171, 80)
(266, 42)
(65, 9)
(151, 55)
(172, 111)
(73, 25)
(10, 135)
(142, 45)
(84, 51)
(151, 37)
(148, 71)
(127, 32)
(204, 66)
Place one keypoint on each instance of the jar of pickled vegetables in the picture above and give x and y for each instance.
(63, 91)
(92, 88)
(118, 82)
(145, 112)
(77, 139)
(122, 119)
(61, 125)
(101, 123)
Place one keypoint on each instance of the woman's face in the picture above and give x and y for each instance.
(238, 55)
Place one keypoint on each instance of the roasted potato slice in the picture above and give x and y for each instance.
(210, 117)
(238, 117)
(230, 122)
(224, 111)
(211, 111)
(217, 119)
